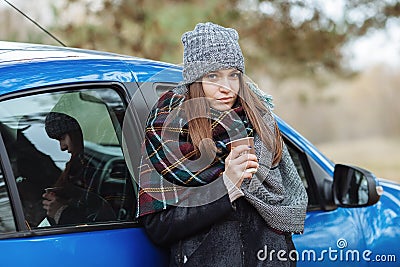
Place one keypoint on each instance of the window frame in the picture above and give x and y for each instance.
(11, 186)
(126, 91)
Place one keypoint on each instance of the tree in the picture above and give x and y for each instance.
(292, 33)
(297, 32)
(150, 28)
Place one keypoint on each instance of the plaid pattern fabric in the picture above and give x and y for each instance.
(171, 155)
(277, 193)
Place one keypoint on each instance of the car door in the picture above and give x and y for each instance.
(31, 161)
(333, 236)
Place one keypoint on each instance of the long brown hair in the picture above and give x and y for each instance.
(200, 126)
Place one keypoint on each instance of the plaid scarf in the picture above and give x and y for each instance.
(168, 167)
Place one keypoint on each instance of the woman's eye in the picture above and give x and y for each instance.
(212, 76)
(235, 75)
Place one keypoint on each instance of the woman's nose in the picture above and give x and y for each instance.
(63, 146)
(224, 85)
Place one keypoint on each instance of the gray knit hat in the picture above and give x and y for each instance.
(57, 124)
(210, 47)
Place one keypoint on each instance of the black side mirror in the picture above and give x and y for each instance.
(354, 187)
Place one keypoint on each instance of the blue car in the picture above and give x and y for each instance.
(353, 218)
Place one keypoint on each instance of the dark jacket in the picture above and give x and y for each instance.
(78, 188)
(217, 234)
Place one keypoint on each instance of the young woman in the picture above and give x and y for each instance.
(196, 196)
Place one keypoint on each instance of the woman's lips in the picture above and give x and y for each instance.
(225, 99)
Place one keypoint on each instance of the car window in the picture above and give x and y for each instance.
(7, 223)
(90, 187)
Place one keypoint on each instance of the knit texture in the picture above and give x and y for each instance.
(210, 47)
(57, 124)
(278, 195)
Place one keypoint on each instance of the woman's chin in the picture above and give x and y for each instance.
(221, 106)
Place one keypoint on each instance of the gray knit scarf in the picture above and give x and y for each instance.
(278, 194)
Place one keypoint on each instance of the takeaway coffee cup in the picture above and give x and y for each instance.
(248, 141)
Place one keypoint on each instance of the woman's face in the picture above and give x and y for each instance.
(221, 87)
(66, 144)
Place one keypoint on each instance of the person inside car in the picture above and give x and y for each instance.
(214, 212)
(73, 197)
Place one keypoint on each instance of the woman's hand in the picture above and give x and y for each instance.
(237, 162)
(51, 203)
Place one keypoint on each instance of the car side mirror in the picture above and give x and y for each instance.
(354, 187)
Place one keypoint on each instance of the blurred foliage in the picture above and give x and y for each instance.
(282, 36)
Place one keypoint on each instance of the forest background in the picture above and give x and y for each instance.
(300, 52)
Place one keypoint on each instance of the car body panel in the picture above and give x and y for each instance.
(39, 74)
(29, 66)
(120, 247)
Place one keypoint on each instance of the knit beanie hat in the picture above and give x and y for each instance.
(210, 47)
(57, 124)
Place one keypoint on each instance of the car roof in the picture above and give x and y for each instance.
(14, 52)
(24, 65)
